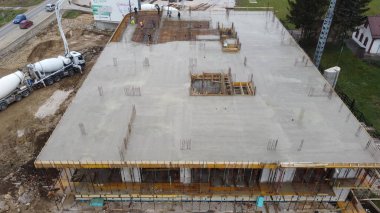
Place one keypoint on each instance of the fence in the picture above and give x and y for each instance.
(351, 103)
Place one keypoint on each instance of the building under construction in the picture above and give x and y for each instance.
(212, 107)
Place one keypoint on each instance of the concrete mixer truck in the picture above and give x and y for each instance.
(13, 87)
(17, 85)
(48, 71)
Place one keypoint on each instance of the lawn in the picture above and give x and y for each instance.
(358, 79)
(19, 3)
(72, 14)
(374, 8)
(8, 15)
(280, 6)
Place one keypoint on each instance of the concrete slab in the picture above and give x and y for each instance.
(290, 107)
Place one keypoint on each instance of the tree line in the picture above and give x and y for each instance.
(308, 15)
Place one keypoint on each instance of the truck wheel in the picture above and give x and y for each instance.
(49, 81)
(26, 93)
(57, 78)
(77, 70)
(71, 72)
(3, 106)
(38, 86)
(18, 98)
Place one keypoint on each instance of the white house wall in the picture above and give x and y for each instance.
(185, 175)
(366, 34)
(375, 47)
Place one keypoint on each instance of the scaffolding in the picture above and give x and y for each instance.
(229, 38)
(219, 84)
(307, 187)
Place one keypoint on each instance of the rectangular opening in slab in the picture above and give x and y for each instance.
(160, 175)
(146, 27)
(184, 30)
(229, 38)
(208, 84)
(97, 175)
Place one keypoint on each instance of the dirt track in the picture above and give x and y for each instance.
(22, 135)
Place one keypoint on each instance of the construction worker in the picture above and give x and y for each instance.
(133, 20)
(141, 24)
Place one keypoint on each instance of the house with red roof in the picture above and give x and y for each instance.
(368, 35)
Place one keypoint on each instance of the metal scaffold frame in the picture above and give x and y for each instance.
(324, 33)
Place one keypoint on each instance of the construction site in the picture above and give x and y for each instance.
(204, 111)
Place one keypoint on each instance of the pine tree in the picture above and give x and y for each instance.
(348, 15)
(308, 16)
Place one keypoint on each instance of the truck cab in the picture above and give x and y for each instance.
(77, 58)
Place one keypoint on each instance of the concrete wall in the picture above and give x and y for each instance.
(185, 175)
(345, 173)
(265, 175)
(288, 175)
(130, 175)
(105, 25)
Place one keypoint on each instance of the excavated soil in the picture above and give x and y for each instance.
(22, 135)
(39, 52)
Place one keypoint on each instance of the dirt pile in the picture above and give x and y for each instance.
(39, 52)
(22, 135)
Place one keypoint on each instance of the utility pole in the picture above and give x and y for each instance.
(324, 33)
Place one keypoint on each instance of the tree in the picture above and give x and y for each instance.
(308, 16)
(348, 15)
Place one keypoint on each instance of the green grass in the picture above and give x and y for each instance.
(280, 6)
(19, 3)
(358, 79)
(374, 8)
(8, 15)
(72, 14)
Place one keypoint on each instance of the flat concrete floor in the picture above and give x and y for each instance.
(290, 107)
